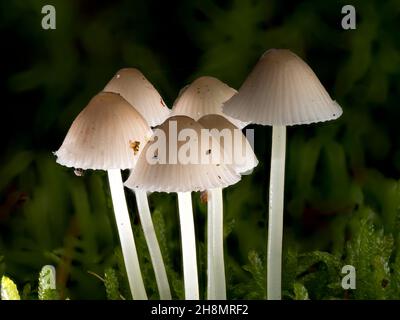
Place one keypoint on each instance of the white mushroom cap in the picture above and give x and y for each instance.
(204, 96)
(238, 148)
(132, 85)
(170, 176)
(282, 90)
(104, 134)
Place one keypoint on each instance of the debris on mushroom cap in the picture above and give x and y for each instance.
(135, 145)
(79, 172)
(282, 90)
(204, 96)
(99, 137)
(131, 84)
(204, 196)
(238, 148)
(175, 176)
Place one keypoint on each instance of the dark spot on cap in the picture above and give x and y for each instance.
(79, 172)
(155, 156)
(219, 177)
(208, 151)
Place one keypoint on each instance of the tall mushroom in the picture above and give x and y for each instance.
(239, 153)
(141, 94)
(281, 90)
(101, 138)
(204, 96)
(173, 161)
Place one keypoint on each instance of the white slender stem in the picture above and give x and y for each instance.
(275, 220)
(126, 235)
(188, 238)
(152, 244)
(210, 247)
(216, 286)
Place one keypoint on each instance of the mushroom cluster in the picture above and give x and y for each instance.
(198, 145)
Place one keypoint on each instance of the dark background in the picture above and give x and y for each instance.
(341, 177)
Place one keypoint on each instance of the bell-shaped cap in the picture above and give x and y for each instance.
(282, 90)
(108, 134)
(165, 163)
(237, 149)
(132, 85)
(204, 96)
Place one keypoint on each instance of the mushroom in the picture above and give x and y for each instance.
(204, 96)
(169, 163)
(99, 139)
(281, 91)
(239, 153)
(141, 94)
(132, 85)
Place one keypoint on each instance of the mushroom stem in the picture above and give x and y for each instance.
(190, 276)
(126, 235)
(216, 286)
(152, 244)
(275, 221)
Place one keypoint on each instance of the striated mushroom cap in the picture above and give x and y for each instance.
(204, 96)
(282, 90)
(132, 85)
(235, 144)
(108, 134)
(160, 167)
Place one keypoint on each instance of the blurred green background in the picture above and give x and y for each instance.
(342, 201)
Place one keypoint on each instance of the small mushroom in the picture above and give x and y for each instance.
(281, 90)
(140, 93)
(97, 140)
(203, 97)
(238, 151)
(174, 175)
